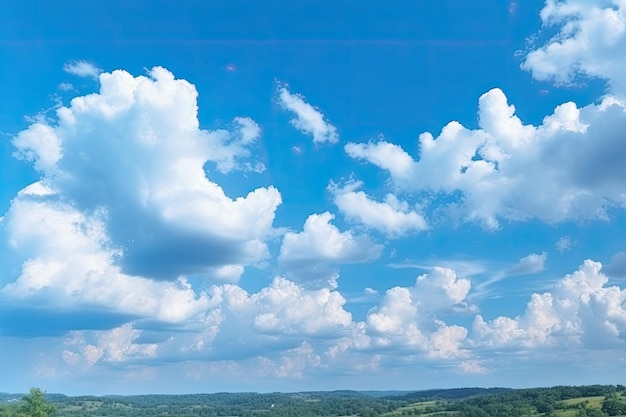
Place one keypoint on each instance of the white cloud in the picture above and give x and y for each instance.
(64, 257)
(590, 42)
(472, 367)
(284, 307)
(125, 211)
(392, 217)
(579, 311)
(407, 318)
(385, 155)
(309, 254)
(441, 289)
(66, 87)
(124, 191)
(232, 146)
(229, 273)
(293, 363)
(396, 316)
(564, 169)
(87, 348)
(82, 69)
(447, 342)
(565, 243)
(464, 266)
(268, 322)
(531, 264)
(370, 291)
(134, 153)
(530, 330)
(40, 145)
(309, 120)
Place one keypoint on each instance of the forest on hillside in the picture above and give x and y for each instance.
(560, 401)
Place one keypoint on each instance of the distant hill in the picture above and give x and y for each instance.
(447, 394)
(386, 394)
(559, 401)
(8, 398)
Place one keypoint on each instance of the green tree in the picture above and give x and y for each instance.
(35, 405)
(590, 412)
(7, 411)
(614, 407)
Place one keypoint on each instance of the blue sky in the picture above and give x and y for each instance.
(214, 196)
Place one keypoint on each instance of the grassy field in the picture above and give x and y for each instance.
(421, 406)
(591, 402)
(572, 404)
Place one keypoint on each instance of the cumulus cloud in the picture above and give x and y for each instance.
(125, 210)
(284, 307)
(393, 217)
(293, 363)
(564, 169)
(65, 257)
(580, 310)
(309, 120)
(86, 348)
(590, 36)
(407, 317)
(269, 323)
(82, 69)
(133, 155)
(39, 145)
(310, 253)
(232, 324)
(126, 188)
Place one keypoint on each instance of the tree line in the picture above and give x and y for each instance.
(583, 401)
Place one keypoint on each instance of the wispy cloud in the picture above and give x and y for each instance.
(309, 120)
(463, 267)
(82, 69)
(530, 264)
(564, 244)
(483, 272)
(66, 87)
